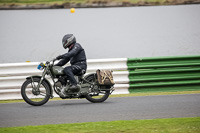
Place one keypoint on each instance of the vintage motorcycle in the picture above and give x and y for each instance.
(37, 90)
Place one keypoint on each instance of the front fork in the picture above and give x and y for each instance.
(36, 88)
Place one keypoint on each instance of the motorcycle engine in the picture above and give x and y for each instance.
(58, 87)
(60, 83)
(62, 80)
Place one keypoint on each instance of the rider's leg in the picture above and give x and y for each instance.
(70, 75)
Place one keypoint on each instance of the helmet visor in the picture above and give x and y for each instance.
(65, 44)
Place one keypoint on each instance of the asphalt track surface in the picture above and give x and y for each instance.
(77, 111)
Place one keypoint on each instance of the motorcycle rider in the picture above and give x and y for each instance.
(77, 57)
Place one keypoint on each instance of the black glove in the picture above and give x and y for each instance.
(59, 57)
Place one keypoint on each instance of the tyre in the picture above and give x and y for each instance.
(32, 97)
(98, 93)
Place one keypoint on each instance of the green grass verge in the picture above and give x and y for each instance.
(147, 93)
(171, 125)
(165, 89)
(157, 93)
(59, 2)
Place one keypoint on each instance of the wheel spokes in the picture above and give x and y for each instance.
(33, 95)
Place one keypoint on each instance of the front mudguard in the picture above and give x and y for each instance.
(44, 80)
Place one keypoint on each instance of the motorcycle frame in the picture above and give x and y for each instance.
(47, 71)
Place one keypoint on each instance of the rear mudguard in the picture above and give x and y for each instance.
(107, 87)
(45, 80)
(94, 74)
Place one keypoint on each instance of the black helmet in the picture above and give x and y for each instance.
(68, 40)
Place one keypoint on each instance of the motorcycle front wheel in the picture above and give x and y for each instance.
(33, 97)
(97, 94)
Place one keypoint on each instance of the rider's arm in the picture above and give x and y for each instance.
(66, 57)
(75, 50)
(62, 62)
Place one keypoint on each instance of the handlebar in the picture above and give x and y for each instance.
(52, 60)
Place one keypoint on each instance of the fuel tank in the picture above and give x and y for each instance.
(57, 70)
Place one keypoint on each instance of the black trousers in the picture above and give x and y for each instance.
(72, 70)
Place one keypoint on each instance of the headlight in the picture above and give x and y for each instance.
(41, 66)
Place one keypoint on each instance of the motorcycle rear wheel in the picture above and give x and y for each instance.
(32, 97)
(97, 95)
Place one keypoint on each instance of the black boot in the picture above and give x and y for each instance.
(75, 88)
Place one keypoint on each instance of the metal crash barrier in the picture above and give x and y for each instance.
(130, 74)
(12, 75)
(179, 72)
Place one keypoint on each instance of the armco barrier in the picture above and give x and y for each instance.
(164, 72)
(132, 74)
(12, 75)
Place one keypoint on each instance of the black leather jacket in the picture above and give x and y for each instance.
(75, 55)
